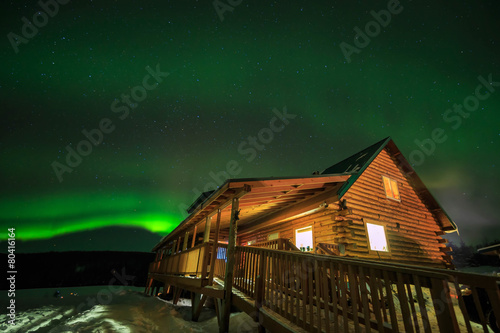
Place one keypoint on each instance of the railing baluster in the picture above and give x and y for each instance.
(326, 295)
(276, 273)
(440, 292)
(268, 280)
(276, 289)
(377, 296)
(380, 287)
(256, 269)
(280, 284)
(286, 283)
(243, 262)
(281, 299)
(310, 293)
(260, 283)
(235, 269)
(412, 307)
(364, 299)
(244, 273)
(343, 296)
(273, 282)
(494, 298)
(479, 307)
(318, 286)
(277, 285)
(403, 302)
(353, 288)
(421, 305)
(296, 274)
(390, 299)
(304, 288)
(251, 277)
(334, 289)
(249, 281)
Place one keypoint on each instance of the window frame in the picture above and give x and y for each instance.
(376, 223)
(302, 228)
(391, 182)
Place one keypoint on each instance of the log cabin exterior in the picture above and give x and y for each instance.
(370, 209)
(413, 221)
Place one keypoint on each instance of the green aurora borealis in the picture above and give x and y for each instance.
(225, 78)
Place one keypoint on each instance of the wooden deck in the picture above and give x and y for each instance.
(288, 290)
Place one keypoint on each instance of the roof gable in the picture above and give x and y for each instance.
(356, 164)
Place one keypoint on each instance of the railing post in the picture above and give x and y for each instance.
(174, 245)
(201, 255)
(185, 245)
(206, 253)
(228, 280)
(178, 244)
(214, 249)
(443, 306)
(494, 297)
(259, 288)
(206, 234)
(193, 241)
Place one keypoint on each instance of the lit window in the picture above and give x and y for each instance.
(376, 236)
(276, 235)
(304, 238)
(251, 242)
(391, 188)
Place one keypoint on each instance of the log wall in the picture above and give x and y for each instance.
(320, 222)
(412, 231)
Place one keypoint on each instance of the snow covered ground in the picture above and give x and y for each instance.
(109, 309)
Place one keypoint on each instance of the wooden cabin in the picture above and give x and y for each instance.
(370, 210)
(492, 250)
(371, 205)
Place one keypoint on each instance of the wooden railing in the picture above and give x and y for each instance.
(333, 294)
(481, 302)
(484, 303)
(331, 249)
(327, 293)
(193, 261)
(220, 261)
(277, 244)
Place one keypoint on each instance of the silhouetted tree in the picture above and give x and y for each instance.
(462, 254)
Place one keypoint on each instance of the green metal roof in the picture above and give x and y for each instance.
(356, 164)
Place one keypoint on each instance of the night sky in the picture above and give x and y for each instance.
(117, 114)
